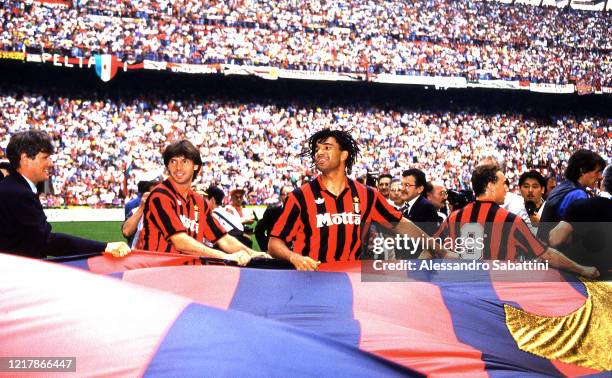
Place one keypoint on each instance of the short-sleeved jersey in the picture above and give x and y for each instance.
(167, 213)
(329, 228)
(504, 236)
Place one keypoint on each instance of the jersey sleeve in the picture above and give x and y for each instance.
(212, 229)
(383, 212)
(526, 240)
(287, 226)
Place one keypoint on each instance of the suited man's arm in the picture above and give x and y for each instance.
(41, 242)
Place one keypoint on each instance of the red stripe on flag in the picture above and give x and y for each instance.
(547, 293)
(569, 370)
(410, 330)
(138, 259)
(214, 287)
(111, 328)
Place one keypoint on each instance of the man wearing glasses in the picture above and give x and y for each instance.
(418, 209)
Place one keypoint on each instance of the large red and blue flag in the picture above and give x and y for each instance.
(221, 320)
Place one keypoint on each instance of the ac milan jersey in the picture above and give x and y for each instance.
(168, 213)
(328, 228)
(505, 236)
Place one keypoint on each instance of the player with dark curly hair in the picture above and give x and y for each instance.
(327, 217)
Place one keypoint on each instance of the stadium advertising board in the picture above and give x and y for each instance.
(193, 68)
(154, 65)
(269, 73)
(55, 3)
(66, 61)
(551, 88)
(84, 214)
(12, 55)
(320, 75)
(584, 88)
(438, 81)
(497, 84)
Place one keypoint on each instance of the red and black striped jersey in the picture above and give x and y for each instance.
(328, 228)
(167, 213)
(505, 236)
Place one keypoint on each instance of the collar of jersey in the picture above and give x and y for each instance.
(324, 189)
(176, 192)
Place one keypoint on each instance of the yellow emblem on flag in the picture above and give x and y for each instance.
(581, 338)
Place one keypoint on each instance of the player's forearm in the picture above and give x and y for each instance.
(559, 234)
(278, 249)
(230, 244)
(130, 225)
(558, 260)
(190, 246)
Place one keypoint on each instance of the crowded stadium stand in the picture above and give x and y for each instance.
(442, 86)
(104, 144)
(544, 46)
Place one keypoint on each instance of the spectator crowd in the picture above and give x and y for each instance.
(472, 39)
(104, 145)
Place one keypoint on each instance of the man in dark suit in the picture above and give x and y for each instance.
(417, 208)
(24, 229)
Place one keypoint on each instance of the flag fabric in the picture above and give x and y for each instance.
(106, 66)
(115, 329)
(191, 314)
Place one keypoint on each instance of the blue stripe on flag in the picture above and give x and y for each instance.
(477, 326)
(205, 341)
(323, 305)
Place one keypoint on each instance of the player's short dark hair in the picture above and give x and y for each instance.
(31, 143)
(216, 194)
(146, 186)
(419, 176)
(185, 149)
(532, 175)
(385, 175)
(482, 176)
(583, 161)
(344, 139)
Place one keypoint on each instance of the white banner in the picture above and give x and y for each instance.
(320, 75)
(36, 58)
(497, 84)
(437, 81)
(84, 214)
(551, 88)
(154, 65)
